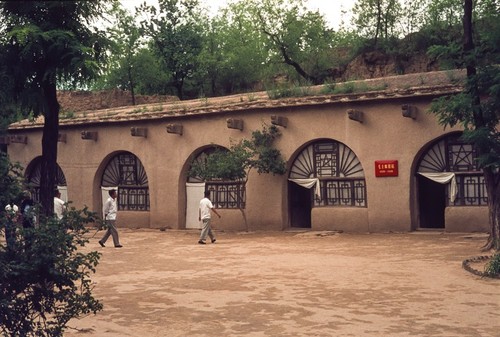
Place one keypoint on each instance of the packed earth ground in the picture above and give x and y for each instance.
(292, 283)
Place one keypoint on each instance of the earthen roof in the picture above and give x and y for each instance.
(410, 85)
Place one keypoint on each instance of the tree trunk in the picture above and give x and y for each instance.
(286, 56)
(492, 183)
(378, 27)
(179, 85)
(297, 67)
(131, 84)
(48, 179)
(491, 178)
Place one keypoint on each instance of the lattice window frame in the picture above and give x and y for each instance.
(334, 164)
(451, 154)
(126, 172)
(34, 177)
(224, 194)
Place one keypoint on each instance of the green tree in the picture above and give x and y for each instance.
(296, 36)
(257, 153)
(125, 35)
(10, 181)
(236, 163)
(441, 25)
(45, 42)
(176, 32)
(477, 108)
(377, 20)
(44, 278)
(234, 57)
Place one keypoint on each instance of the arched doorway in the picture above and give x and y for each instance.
(447, 175)
(326, 173)
(224, 194)
(33, 175)
(126, 173)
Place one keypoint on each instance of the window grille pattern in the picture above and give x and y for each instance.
(125, 170)
(35, 175)
(201, 159)
(223, 194)
(451, 154)
(227, 194)
(341, 175)
(471, 191)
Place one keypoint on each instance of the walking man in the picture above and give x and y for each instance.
(109, 210)
(204, 215)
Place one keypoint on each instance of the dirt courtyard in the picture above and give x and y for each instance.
(290, 284)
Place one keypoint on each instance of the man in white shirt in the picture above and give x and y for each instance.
(12, 216)
(204, 215)
(110, 209)
(59, 205)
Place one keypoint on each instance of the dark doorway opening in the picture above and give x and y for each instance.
(432, 200)
(300, 206)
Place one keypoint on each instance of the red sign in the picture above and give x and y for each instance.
(386, 168)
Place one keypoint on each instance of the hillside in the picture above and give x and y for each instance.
(368, 65)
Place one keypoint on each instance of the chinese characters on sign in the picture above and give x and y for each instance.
(386, 168)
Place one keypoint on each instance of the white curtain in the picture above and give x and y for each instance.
(309, 183)
(444, 178)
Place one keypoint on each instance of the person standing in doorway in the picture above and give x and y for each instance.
(28, 211)
(11, 219)
(59, 205)
(110, 209)
(204, 215)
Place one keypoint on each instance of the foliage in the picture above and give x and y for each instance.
(492, 268)
(125, 36)
(234, 58)
(176, 23)
(235, 163)
(146, 73)
(296, 37)
(283, 91)
(376, 19)
(45, 279)
(132, 66)
(221, 164)
(46, 42)
(10, 181)
(477, 108)
(265, 158)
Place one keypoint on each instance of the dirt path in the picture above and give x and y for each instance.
(291, 284)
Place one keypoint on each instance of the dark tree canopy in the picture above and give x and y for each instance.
(477, 108)
(45, 43)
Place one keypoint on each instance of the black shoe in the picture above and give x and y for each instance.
(102, 244)
(118, 246)
(201, 242)
(213, 240)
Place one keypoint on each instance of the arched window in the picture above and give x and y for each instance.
(340, 174)
(223, 193)
(126, 172)
(451, 154)
(35, 174)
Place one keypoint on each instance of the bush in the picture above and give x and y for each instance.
(492, 268)
(44, 277)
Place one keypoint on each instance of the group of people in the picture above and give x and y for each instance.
(26, 215)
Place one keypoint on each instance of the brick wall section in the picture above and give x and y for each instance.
(75, 101)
